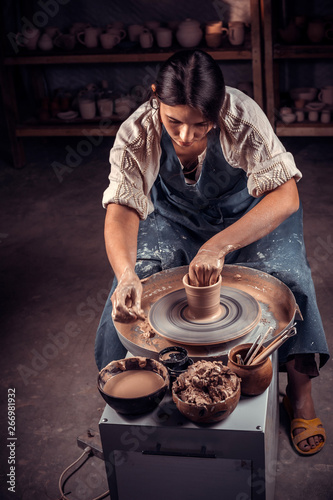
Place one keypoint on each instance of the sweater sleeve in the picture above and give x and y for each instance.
(249, 142)
(134, 160)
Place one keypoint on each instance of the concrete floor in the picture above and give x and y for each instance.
(54, 281)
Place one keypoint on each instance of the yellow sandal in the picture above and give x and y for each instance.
(311, 428)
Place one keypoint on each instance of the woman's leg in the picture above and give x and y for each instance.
(299, 394)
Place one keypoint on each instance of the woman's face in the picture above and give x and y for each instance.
(185, 125)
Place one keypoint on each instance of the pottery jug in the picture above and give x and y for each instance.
(189, 33)
(255, 378)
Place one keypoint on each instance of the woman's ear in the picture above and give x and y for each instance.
(153, 87)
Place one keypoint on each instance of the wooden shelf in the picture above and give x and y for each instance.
(302, 51)
(275, 53)
(98, 57)
(125, 53)
(306, 129)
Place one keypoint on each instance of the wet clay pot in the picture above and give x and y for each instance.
(203, 301)
(256, 378)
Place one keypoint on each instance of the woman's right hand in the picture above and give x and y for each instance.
(126, 299)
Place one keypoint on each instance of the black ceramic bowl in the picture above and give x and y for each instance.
(173, 357)
(133, 406)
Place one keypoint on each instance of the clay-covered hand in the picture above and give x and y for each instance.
(205, 268)
(126, 299)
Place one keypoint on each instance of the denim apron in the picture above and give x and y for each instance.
(187, 215)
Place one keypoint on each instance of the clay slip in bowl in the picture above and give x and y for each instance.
(133, 406)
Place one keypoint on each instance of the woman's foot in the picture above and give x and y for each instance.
(301, 402)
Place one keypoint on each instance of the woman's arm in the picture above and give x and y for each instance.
(269, 213)
(121, 233)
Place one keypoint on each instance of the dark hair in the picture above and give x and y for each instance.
(192, 78)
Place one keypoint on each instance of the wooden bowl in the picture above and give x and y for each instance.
(205, 413)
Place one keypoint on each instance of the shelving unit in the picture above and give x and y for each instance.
(274, 54)
(249, 51)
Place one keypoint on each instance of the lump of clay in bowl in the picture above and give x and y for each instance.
(207, 392)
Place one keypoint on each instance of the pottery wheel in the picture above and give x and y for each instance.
(277, 310)
(240, 313)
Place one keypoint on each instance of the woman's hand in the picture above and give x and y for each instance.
(126, 299)
(205, 268)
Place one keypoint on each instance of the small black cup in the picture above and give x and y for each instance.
(173, 356)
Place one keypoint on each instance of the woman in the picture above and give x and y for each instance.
(199, 178)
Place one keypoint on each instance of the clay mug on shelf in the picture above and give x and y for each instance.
(213, 40)
(89, 37)
(326, 95)
(108, 40)
(236, 33)
(134, 32)
(65, 41)
(45, 42)
(313, 116)
(163, 37)
(87, 104)
(146, 39)
(299, 115)
(325, 116)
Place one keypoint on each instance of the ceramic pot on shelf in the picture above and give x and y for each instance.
(189, 33)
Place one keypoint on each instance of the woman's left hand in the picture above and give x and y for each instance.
(205, 268)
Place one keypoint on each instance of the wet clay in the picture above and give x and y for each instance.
(133, 384)
(206, 382)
